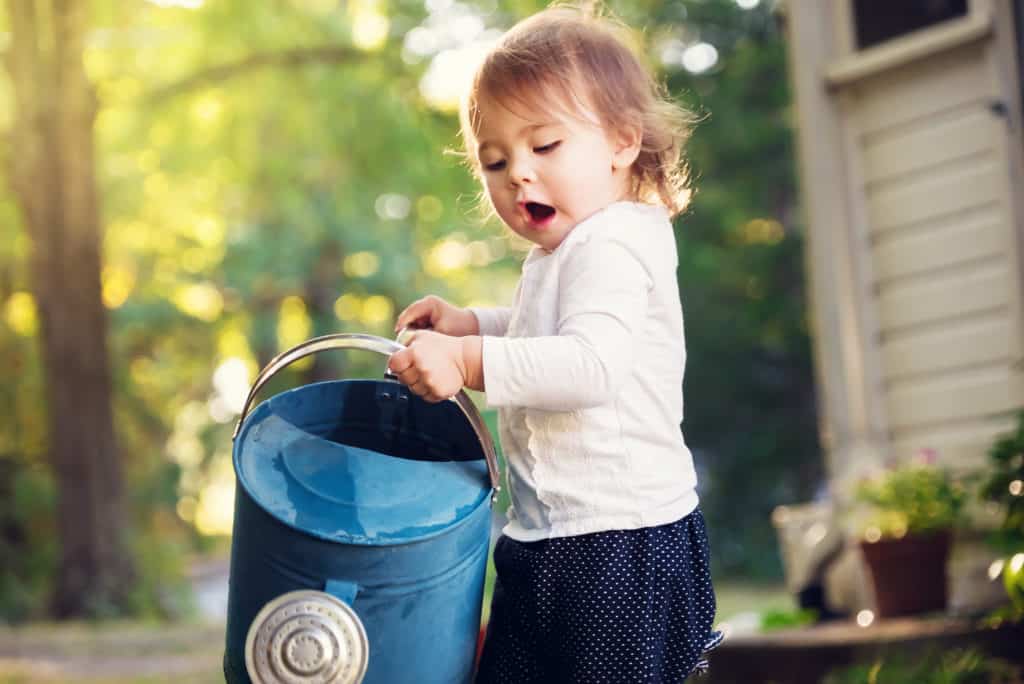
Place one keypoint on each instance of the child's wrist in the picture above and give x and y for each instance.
(472, 362)
(472, 322)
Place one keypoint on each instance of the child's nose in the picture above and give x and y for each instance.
(521, 171)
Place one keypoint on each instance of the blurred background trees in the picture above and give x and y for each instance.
(270, 171)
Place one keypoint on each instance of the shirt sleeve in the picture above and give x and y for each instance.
(493, 320)
(602, 303)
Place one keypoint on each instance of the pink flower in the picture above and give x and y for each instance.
(927, 456)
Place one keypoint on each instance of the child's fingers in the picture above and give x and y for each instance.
(416, 315)
(400, 361)
(408, 314)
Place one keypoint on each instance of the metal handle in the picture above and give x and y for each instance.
(381, 346)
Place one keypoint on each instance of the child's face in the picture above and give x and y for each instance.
(544, 172)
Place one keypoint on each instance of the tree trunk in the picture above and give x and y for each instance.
(53, 177)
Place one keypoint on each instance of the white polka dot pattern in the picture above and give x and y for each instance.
(622, 606)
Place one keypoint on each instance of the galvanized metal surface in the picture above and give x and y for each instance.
(306, 637)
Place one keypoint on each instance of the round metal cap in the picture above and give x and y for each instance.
(306, 637)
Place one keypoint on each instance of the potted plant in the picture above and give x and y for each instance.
(1003, 485)
(910, 513)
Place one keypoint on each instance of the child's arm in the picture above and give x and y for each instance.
(602, 306)
(493, 320)
(437, 314)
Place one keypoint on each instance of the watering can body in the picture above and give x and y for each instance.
(361, 532)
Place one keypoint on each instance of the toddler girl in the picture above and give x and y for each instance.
(602, 570)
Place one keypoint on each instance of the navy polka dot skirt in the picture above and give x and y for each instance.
(624, 606)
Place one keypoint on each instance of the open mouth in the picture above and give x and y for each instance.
(539, 213)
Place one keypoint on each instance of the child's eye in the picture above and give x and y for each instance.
(547, 148)
(495, 166)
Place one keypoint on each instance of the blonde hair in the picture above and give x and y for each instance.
(575, 57)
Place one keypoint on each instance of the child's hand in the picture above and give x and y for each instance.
(433, 312)
(431, 365)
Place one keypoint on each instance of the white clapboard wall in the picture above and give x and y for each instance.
(931, 164)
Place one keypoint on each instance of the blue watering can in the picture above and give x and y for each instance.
(361, 531)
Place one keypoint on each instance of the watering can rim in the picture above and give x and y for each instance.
(383, 346)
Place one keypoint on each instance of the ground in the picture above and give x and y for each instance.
(159, 653)
(121, 653)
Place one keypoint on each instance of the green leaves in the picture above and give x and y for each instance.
(911, 499)
(1004, 485)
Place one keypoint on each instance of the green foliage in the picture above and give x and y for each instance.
(162, 590)
(916, 498)
(957, 666)
(27, 545)
(1004, 485)
(786, 619)
(750, 404)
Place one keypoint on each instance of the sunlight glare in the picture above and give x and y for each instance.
(450, 73)
(996, 569)
(293, 322)
(360, 264)
(231, 381)
(219, 410)
(429, 208)
(436, 6)
(215, 507)
(672, 52)
(207, 108)
(199, 300)
(186, 508)
(447, 256)
(118, 283)
(699, 57)
(347, 307)
(480, 253)
(466, 28)
(765, 231)
(370, 25)
(421, 42)
(208, 231)
(377, 309)
(184, 4)
(392, 206)
(20, 314)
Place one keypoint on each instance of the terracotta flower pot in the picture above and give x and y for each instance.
(908, 574)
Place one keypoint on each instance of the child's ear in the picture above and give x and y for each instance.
(627, 147)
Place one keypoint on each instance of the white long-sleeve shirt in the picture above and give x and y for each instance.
(586, 369)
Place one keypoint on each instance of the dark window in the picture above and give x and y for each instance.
(880, 20)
